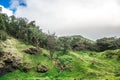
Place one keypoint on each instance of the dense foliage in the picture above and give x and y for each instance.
(51, 44)
(3, 35)
(30, 33)
(108, 43)
(22, 29)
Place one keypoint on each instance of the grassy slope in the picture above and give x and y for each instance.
(85, 65)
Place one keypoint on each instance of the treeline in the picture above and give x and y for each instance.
(110, 43)
(80, 43)
(30, 33)
(21, 28)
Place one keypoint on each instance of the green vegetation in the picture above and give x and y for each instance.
(108, 43)
(26, 53)
(88, 65)
(3, 35)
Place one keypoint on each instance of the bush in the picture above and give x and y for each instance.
(65, 59)
(110, 43)
(3, 35)
(113, 54)
(117, 74)
(109, 55)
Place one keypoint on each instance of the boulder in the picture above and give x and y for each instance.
(16, 63)
(1, 53)
(31, 51)
(25, 67)
(9, 63)
(1, 65)
(42, 69)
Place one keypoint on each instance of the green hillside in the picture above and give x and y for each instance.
(27, 53)
(79, 65)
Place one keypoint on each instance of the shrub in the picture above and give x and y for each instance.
(110, 54)
(3, 35)
(117, 74)
(66, 59)
(66, 63)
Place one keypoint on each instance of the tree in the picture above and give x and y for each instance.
(3, 35)
(3, 21)
(64, 44)
(51, 44)
(108, 43)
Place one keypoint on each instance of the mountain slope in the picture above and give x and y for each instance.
(78, 65)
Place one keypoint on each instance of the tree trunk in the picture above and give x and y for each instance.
(51, 54)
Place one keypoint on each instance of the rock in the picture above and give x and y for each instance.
(25, 67)
(7, 55)
(16, 63)
(42, 69)
(9, 63)
(31, 51)
(1, 54)
(6, 69)
(45, 55)
(1, 65)
(8, 60)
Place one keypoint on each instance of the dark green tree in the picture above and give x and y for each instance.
(64, 44)
(3, 35)
(108, 43)
(51, 44)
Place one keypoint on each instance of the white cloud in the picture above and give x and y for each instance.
(90, 18)
(6, 10)
(16, 3)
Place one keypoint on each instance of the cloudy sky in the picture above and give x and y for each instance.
(90, 18)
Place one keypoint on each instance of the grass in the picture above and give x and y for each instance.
(84, 65)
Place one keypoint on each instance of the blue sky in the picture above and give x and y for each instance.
(9, 3)
(5, 3)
